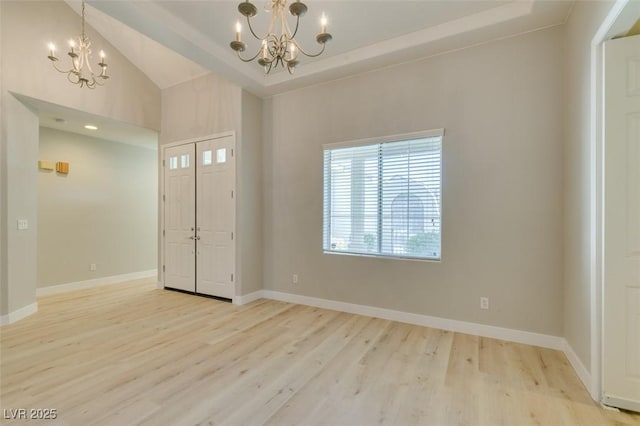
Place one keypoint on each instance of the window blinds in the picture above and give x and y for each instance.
(384, 198)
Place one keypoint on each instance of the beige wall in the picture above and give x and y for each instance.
(3, 204)
(585, 19)
(501, 105)
(200, 107)
(208, 105)
(250, 197)
(103, 212)
(130, 97)
(19, 195)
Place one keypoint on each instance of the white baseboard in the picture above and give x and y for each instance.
(612, 402)
(19, 314)
(248, 298)
(160, 285)
(518, 336)
(79, 285)
(581, 371)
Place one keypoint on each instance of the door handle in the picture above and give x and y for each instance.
(192, 237)
(198, 237)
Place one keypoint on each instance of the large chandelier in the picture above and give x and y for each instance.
(80, 52)
(278, 46)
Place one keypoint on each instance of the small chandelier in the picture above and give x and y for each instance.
(80, 52)
(277, 48)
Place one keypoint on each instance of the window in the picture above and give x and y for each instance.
(173, 162)
(221, 155)
(383, 198)
(207, 158)
(184, 160)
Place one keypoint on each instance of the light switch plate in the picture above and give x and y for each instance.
(23, 224)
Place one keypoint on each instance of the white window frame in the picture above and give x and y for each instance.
(375, 141)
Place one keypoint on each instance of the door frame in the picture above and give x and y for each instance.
(163, 147)
(596, 196)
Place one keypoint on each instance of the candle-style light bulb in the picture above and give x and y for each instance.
(72, 45)
(238, 30)
(102, 55)
(52, 50)
(264, 49)
(323, 22)
(292, 50)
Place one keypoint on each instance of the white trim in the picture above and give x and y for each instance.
(444, 31)
(19, 314)
(596, 195)
(79, 285)
(578, 366)
(518, 336)
(199, 139)
(160, 285)
(625, 403)
(432, 133)
(248, 298)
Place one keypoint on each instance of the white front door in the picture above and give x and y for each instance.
(621, 301)
(179, 217)
(216, 217)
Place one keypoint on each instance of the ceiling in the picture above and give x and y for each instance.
(626, 19)
(366, 35)
(71, 120)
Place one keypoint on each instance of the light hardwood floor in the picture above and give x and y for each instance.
(132, 354)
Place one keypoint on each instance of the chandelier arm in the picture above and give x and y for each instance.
(251, 29)
(88, 64)
(59, 70)
(81, 61)
(69, 74)
(311, 55)
(269, 30)
(284, 25)
(250, 59)
(297, 25)
(85, 57)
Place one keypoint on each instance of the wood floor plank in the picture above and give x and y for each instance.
(130, 353)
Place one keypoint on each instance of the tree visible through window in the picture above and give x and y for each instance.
(384, 198)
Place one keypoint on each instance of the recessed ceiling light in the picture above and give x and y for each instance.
(91, 127)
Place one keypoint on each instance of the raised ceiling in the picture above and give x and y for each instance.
(366, 35)
(71, 120)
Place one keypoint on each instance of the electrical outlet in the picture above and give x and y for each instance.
(92, 267)
(23, 224)
(294, 278)
(484, 303)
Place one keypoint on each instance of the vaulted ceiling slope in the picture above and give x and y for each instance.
(158, 35)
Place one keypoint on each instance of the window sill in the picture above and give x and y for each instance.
(382, 256)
